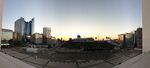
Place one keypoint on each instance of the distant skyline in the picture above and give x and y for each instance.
(68, 18)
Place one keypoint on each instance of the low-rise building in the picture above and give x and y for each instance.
(129, 39)
(126, 40)
(16, 36)
(83, 40)
(121, 40)
(53, 42)
(37, 38)
(7, 34)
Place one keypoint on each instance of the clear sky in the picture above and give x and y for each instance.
(68, 18)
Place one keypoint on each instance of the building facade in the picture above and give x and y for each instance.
(7, 34)
(121, 40)
(24, 29)
(19, 27)
(138, 38)
(129, 40)
(83, 40)
(15, 36)
(37, 38)
(46, 34)
(29, 27)
(126, 40)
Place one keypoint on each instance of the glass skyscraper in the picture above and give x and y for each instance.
(29, 27)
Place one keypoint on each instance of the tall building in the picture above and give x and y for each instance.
(47, 32)
(138, 38)
(19, 27)
(29, 27)
(23, 28)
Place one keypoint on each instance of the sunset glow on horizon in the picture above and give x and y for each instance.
(69, 18)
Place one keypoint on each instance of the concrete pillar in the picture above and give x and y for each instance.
(1, 10)
(146, 25)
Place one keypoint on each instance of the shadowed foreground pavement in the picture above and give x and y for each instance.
(7, 61)
(48, 58)
(140, 61)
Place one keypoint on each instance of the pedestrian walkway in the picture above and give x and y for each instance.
(140, 61)
(47, 58)
(7, 61)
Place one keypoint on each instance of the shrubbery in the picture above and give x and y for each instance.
(16, 42)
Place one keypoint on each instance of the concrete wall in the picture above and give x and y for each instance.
(146, 25)
(1, 7)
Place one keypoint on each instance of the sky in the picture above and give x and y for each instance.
(68, 18)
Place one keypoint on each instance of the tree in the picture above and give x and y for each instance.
(11, 42)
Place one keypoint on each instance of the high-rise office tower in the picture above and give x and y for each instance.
(19, 27)
(29, 27)
(32, 25)
(23, 28)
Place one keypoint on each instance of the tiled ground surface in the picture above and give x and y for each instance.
(49, 58)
